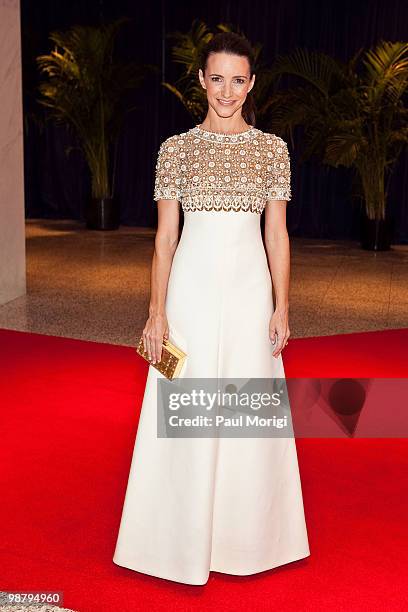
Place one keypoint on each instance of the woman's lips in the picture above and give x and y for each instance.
(224, 103)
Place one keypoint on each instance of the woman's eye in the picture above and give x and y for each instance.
(238, 81)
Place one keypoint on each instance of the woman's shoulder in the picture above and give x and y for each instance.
(174, 141)
(271, 138)
(274, 145)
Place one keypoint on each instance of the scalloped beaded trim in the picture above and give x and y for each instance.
(224, 138)
(245, 202)
(166, 193)
(230, 202)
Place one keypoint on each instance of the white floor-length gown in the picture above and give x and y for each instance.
(231, 505)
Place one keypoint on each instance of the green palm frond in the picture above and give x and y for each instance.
(345, 145)
(319, 70)
(386, 71)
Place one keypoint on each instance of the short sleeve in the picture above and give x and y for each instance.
(278, 183)
(167, 177)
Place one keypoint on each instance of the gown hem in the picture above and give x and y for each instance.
(213, 568)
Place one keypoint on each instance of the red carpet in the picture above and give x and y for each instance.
(69, 412)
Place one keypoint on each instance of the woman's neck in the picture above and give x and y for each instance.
(224, 126)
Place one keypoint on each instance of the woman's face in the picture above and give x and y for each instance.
(227, 81)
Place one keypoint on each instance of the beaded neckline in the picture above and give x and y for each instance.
(220, 137)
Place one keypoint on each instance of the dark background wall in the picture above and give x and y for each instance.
(322, 204)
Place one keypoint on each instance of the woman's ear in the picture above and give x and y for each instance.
(201, 78)
(252, 82)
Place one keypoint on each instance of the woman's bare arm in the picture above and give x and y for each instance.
(165, 245)
(278, 251)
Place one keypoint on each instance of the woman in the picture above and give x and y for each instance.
(225, 504)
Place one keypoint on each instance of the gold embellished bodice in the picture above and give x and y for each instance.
(211, 171)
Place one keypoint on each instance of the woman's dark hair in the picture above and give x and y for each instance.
(235, 44)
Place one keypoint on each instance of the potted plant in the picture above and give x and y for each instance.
(354, 115)
(84, 87)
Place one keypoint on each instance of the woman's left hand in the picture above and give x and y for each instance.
(279, 330)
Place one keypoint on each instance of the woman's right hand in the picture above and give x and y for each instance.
(155, 330)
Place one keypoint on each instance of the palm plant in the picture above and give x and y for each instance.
(353, 115)
(84, 88)
(187, 88)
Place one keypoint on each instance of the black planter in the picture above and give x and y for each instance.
(376, 234)
(103, 214)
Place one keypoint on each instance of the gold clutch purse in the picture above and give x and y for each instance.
(172, 359)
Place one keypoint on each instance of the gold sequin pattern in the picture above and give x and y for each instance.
(211, 171)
